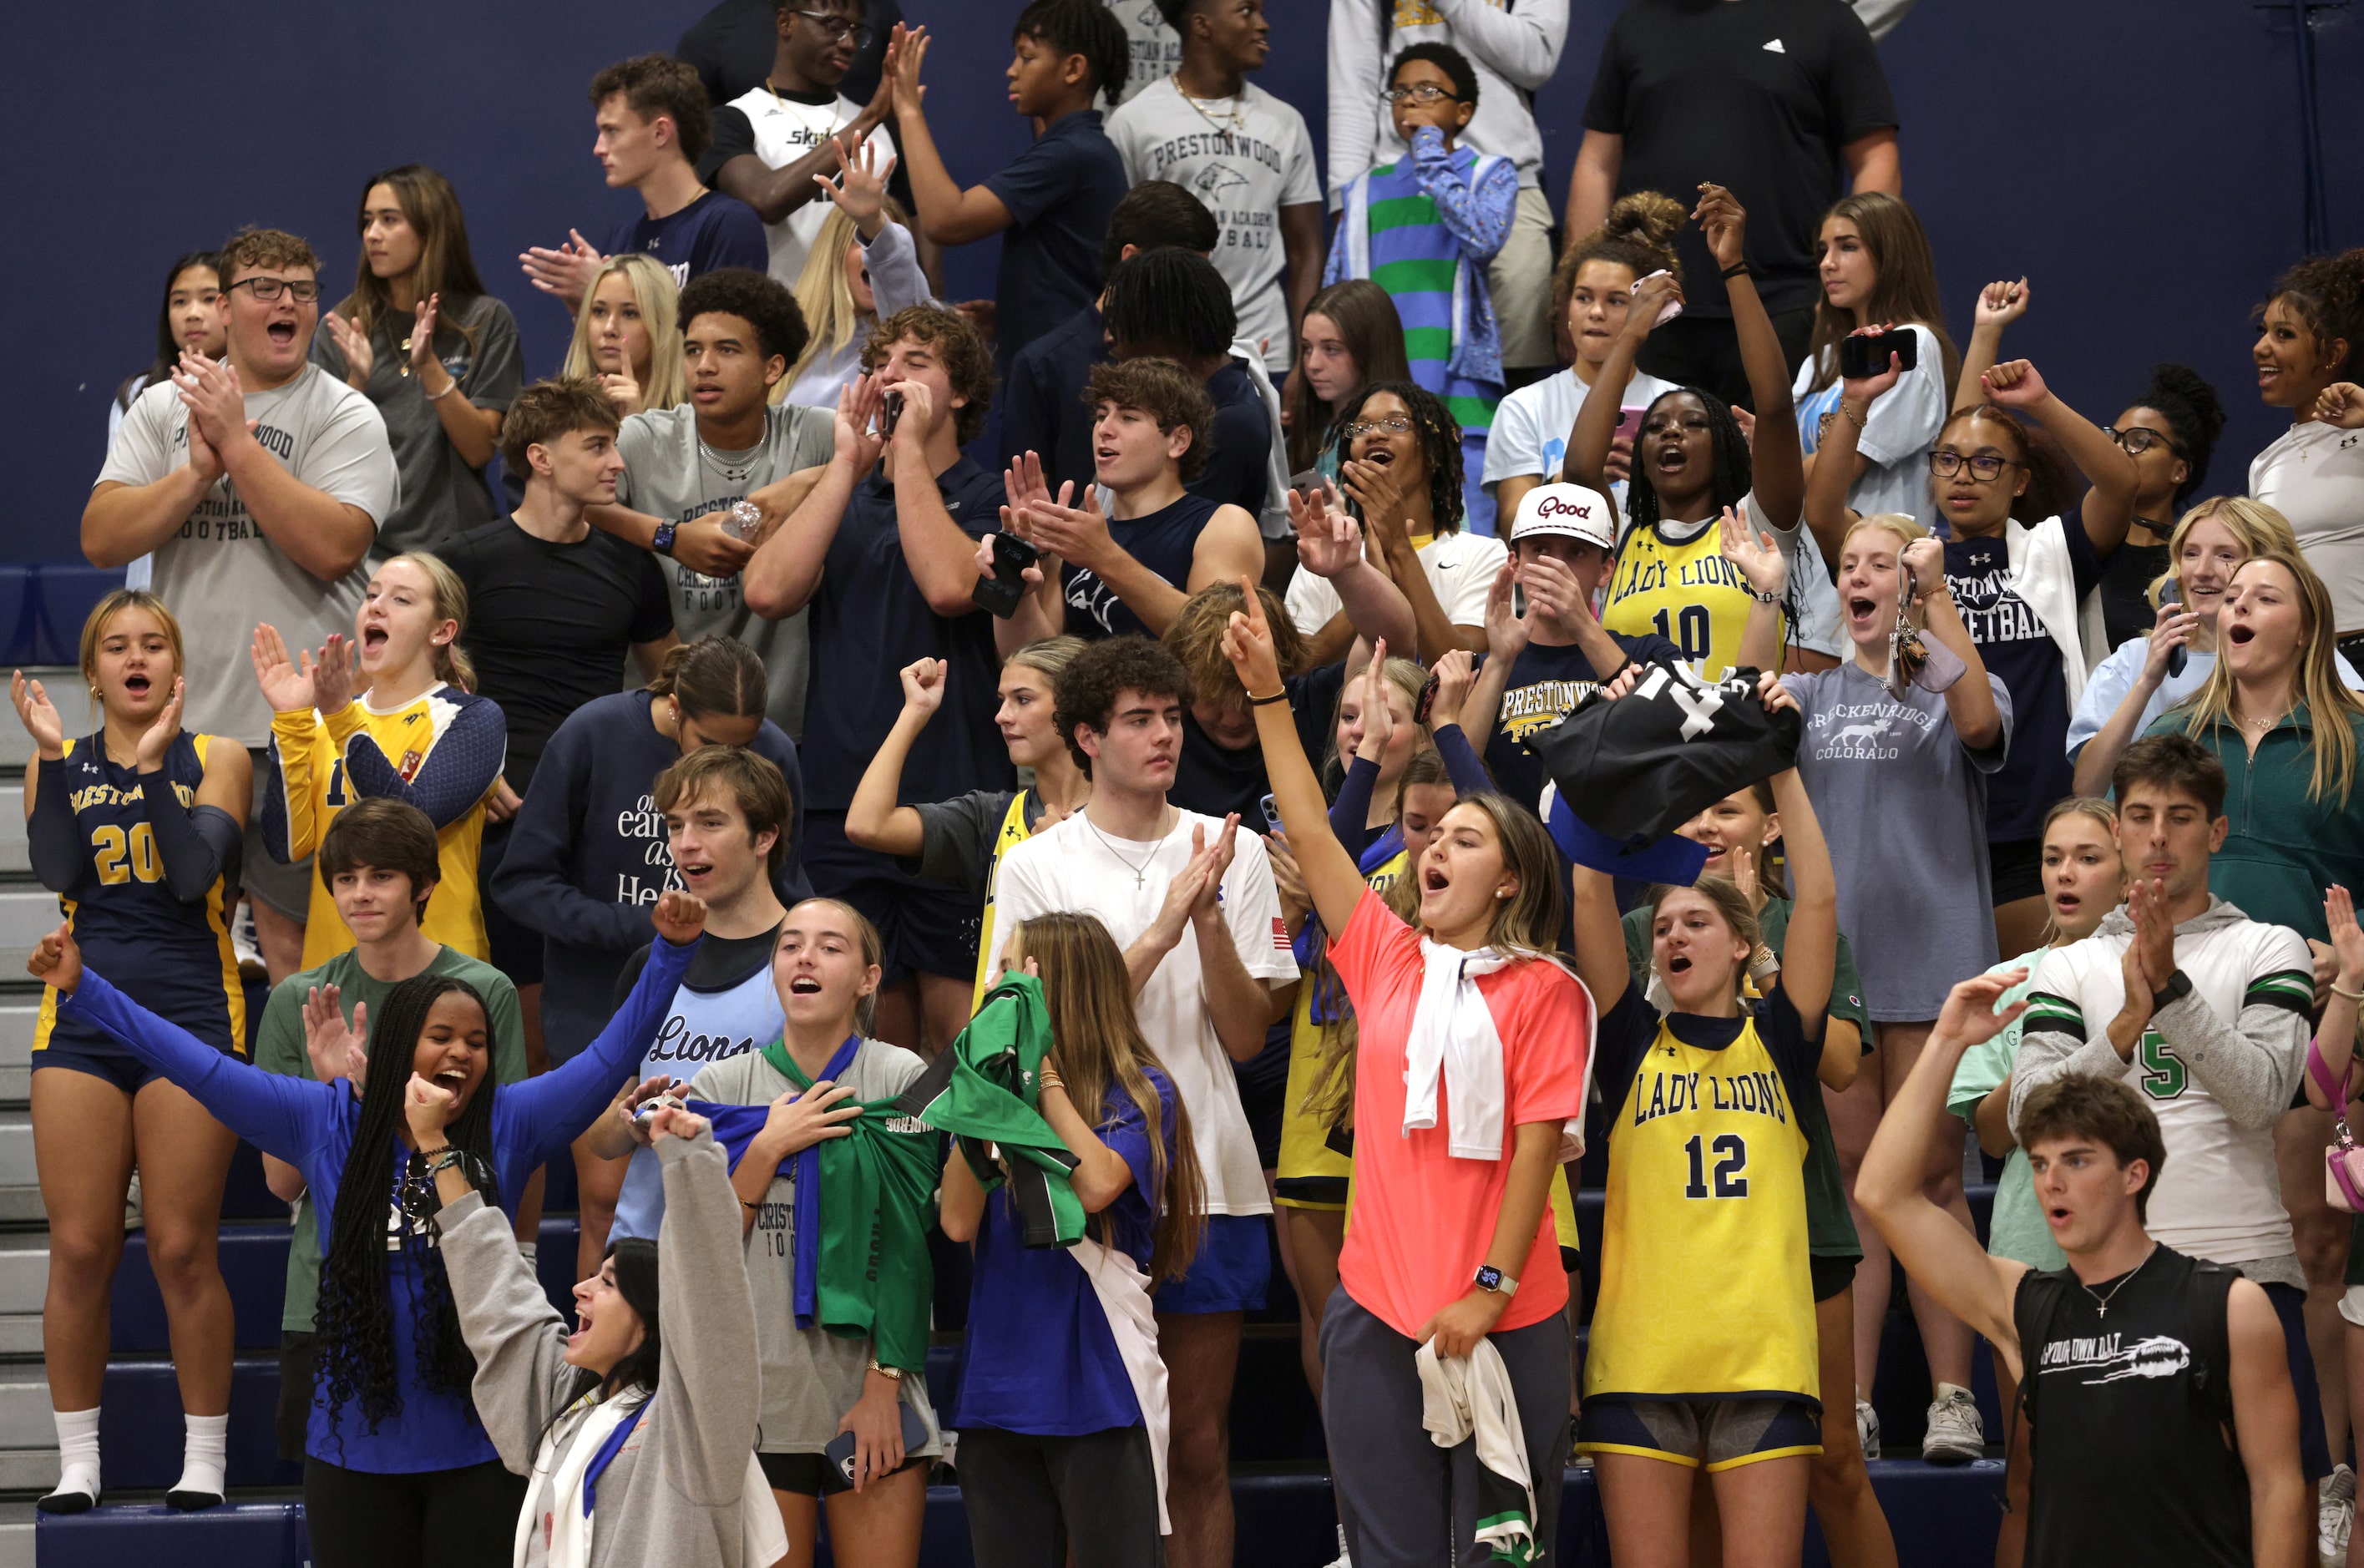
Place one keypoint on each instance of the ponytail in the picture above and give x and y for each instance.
(453, 665)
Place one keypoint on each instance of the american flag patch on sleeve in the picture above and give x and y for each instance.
(1280, 942)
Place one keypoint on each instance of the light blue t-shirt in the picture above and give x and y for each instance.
(2017, 1230)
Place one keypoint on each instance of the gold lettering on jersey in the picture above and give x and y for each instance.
(1540, 705)
(109, 794)
(1675, 1094)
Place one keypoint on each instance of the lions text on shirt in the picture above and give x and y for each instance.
(221, 574)
(1244, 157)
(1075, 866)
(785, 131)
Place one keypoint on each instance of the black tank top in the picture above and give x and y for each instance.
(1165, 541)
(2132, 1412)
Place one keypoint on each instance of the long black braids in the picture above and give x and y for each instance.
(1729, 478)
(1440, 440)
(355, 1317)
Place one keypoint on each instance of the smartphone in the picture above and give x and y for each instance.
(1427, 703)
(893, 410)
(1519, 599)
(2177, 658)
(1865, 354)
(1629, 422)
(1668, 312)
(840, 1452)
(1001, 592)
(1271, 814)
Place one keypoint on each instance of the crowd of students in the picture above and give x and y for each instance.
(1100, 872)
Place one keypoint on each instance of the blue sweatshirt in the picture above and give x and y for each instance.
(587, 856)
(311, 1126)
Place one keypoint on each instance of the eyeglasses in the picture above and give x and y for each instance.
(1986, 468)
(2138, 441)
(306, 290)
(839, 29)
(1394, 424)
(1422, 91)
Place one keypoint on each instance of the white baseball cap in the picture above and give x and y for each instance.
(1574, 510)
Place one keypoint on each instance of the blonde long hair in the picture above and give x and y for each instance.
(1095, 1041)
(2332, 708)
(453, 665)
(827, 299)
(2255, 526)
(659, 301)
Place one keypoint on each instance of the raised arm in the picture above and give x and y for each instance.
(1331, 875)
(1521, 46)
(1776, 469)
(1838, 461)
(1330, 545)
(1764, 566)
(1599, 937)
(1506, 638)
(709, 1424)
(2334, 1039)
(518, 1338)
(2109, 508)
(1970, 700)
(2253, 1066)
(1477, 215)
(775, 193)
(1810, 951)
(1935, 1250)
(1586, 459)
(784, 572)
(2000, 304)
(873, 820)
(947, 214)
(2097, 757)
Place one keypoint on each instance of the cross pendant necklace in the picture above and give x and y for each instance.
(2102, 1303)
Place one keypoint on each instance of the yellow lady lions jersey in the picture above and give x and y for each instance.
(1684, 590)
(1704, 1284)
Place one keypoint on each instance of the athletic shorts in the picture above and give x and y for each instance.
(1231, 1272)
(2017, 871)
(1308, 1173)
(286, 888)
(1715, 1434)
(926, 927)
(1831, 1275)
(2351, 1306)
(516, 949)
(813, 1476)
(120, 1068)
(2313, 1447)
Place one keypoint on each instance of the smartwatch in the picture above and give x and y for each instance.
(663, 542)
(2178, 986)
(1495, 1281)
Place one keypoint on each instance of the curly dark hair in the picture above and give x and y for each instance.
(1085, 693)
(657, 85)
(355, 1318)
(1167, 394)
(1728, 479)
(1171, 302)
(2182, 396)
(1440, 441)
(1445, 57)
(758, 299)
(1085, 27)
(968, 363)
(2325, 292)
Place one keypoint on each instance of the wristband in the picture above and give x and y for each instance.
(431, 1153)
(1761, 599)
(1737, 270)
(450, 387)
(2351, 995)
(1280, 695)
(1852, 418)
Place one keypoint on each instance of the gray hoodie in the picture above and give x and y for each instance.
(671, 1493)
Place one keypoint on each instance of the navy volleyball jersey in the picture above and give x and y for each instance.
(172, 958)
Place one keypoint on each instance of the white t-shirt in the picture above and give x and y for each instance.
(1459, 566)
(786, 130)
(1073, 866)
(1245, 158)
(220, 574)
(1896, 435)
(1531, 425)
(2313, 475)
(1157, 48)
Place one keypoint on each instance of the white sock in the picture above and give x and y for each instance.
(78, 1451)
(1947, 1390)
(531, 1253)
(205, 1455)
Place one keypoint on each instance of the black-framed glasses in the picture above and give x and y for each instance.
(839, 29)
(267, 290)
(1394, 424)
(1418, 93)
(2138, 441)
(1986, 468)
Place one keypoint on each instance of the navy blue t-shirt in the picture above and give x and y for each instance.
(869, 619)
(1163, 540)
(1043, 407)
(713, 231)
(1238, 465)
(1545, 687)
(1040, 1357)
(1217, 781)
(2018, 647)
(1060, 193)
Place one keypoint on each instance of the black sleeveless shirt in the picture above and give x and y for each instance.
(1165, 541)
(2132, 1409)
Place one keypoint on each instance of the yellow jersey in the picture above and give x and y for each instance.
(441, 752)
(1705, 1290)
(1684, 590)
(1013, 831)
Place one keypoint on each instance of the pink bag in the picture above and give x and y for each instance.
(2343, 1162)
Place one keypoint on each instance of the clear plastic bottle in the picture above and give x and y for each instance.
(743, 521)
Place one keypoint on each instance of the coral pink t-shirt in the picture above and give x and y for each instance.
(1422, 1220)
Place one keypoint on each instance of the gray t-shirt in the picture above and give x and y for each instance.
(811, 1377)
(442, 496)
(669, 474)
(221, 574)
(1903, 804)
(957, 836)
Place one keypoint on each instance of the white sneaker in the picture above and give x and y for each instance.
(1867, 1427)
(245, 946)
(132, 1219)
(1955, 1435)
(2334, 1516)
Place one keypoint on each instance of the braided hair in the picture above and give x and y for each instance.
(1440, 441)
(1729, 478)
(356, 1306)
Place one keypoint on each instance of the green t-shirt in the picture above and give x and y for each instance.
(2017, 1230)
(1830, 1229)
(279, 1048)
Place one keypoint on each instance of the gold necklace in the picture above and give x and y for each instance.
(1234, 123)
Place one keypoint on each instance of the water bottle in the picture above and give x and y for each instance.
(743, 521)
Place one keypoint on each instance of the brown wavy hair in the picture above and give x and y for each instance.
(445, 264)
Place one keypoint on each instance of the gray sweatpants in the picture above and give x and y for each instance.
(1394, 1485)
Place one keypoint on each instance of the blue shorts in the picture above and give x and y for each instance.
(925, 928)
(1231, 1272)
(2313, 1448)
(120, 1068)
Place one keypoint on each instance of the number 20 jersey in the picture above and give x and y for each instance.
(2218, 1196)
(172, 958)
